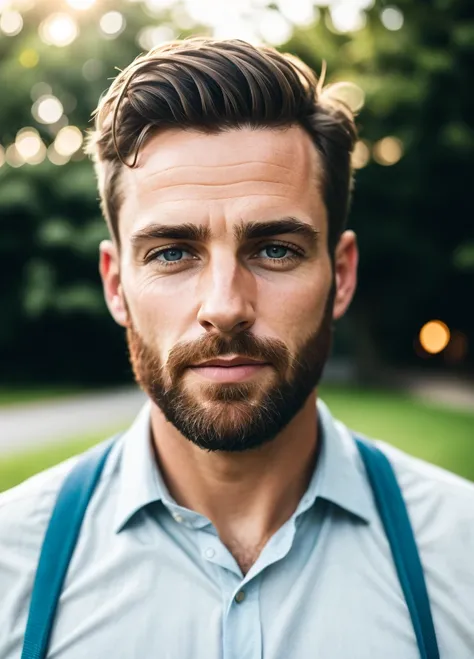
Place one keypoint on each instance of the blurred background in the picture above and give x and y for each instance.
(403, 362)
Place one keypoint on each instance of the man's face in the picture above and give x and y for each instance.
(224, 257)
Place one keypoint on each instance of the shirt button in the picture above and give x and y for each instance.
(209, 553)
(240, 596)
(178, 518)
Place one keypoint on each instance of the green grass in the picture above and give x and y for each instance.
(20, 395)
(442, 436)
(437, 434)
(18, 467)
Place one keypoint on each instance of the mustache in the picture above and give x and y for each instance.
(213, 346)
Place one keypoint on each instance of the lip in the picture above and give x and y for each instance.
(233, 361)
(222, 371)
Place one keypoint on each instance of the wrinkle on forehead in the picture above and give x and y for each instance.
(248, 142)
(178, 166)
(195, 157)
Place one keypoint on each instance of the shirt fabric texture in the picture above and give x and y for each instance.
(150, 578)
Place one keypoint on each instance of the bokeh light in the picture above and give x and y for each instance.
(28, 58)
(68, 140)
(28, 143)
(58, 30)
(347, 17)
(56, 158)
(54, 128)
(47, 109)
(92, 69)
(2, 155)
(156, 7)
(348, 93)
(298, 12)
(149, 37)
(359, 4)
(274, 28)
(181, 19)
(21, 5)
(40, 89)
(11, 22)
(208, 12)
(112, 24)
(80, 4)
(388, 151)
(360, 155)
(13, 157)
(237, 28)
(392, 18)
(434, 336)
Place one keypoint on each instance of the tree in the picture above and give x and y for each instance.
(413, 218)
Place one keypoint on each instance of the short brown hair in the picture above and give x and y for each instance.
(215, 85)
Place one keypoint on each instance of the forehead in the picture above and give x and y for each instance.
(222, 178)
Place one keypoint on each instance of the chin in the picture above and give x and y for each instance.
(245, 393)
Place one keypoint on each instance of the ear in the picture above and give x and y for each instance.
(346, 259)
(109, 268)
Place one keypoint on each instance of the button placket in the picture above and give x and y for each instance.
(242, 634)
(209, 552)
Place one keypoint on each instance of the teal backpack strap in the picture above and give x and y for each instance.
(394, 516)
(58, 547)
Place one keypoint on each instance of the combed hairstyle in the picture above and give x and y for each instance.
(212, 86)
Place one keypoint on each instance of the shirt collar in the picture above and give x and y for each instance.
(339, 475)
(342, 477)
(139, 479)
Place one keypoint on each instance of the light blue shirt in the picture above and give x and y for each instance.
(151, 580)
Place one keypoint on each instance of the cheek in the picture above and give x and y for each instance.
(160, 315)
(294, 309)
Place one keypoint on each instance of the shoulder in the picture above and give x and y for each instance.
(434, 496)
(25, 511)
(24, 514)
(441, 509)
(26, 508)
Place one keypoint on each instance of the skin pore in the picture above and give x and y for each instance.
(222, 237)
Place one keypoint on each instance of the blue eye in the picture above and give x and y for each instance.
(276, 251)
(171, 254)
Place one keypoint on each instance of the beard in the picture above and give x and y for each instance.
(239, 416)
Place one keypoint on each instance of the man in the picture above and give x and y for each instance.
(235, 518)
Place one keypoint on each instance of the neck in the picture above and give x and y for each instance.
(248, 496)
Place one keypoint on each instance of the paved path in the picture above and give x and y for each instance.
(438, 389)
(35, 424)
(44, 422)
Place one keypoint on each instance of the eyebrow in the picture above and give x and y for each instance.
(242, 232)
(253, 230)
(187, 231)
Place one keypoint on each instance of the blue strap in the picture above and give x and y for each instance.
(58, 546)
(394, 516)
(76, 492)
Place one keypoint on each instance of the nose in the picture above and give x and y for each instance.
(227, 297)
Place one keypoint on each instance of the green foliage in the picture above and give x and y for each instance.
(464, 257)
(413, 219)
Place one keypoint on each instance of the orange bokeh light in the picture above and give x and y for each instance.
(434, 336)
